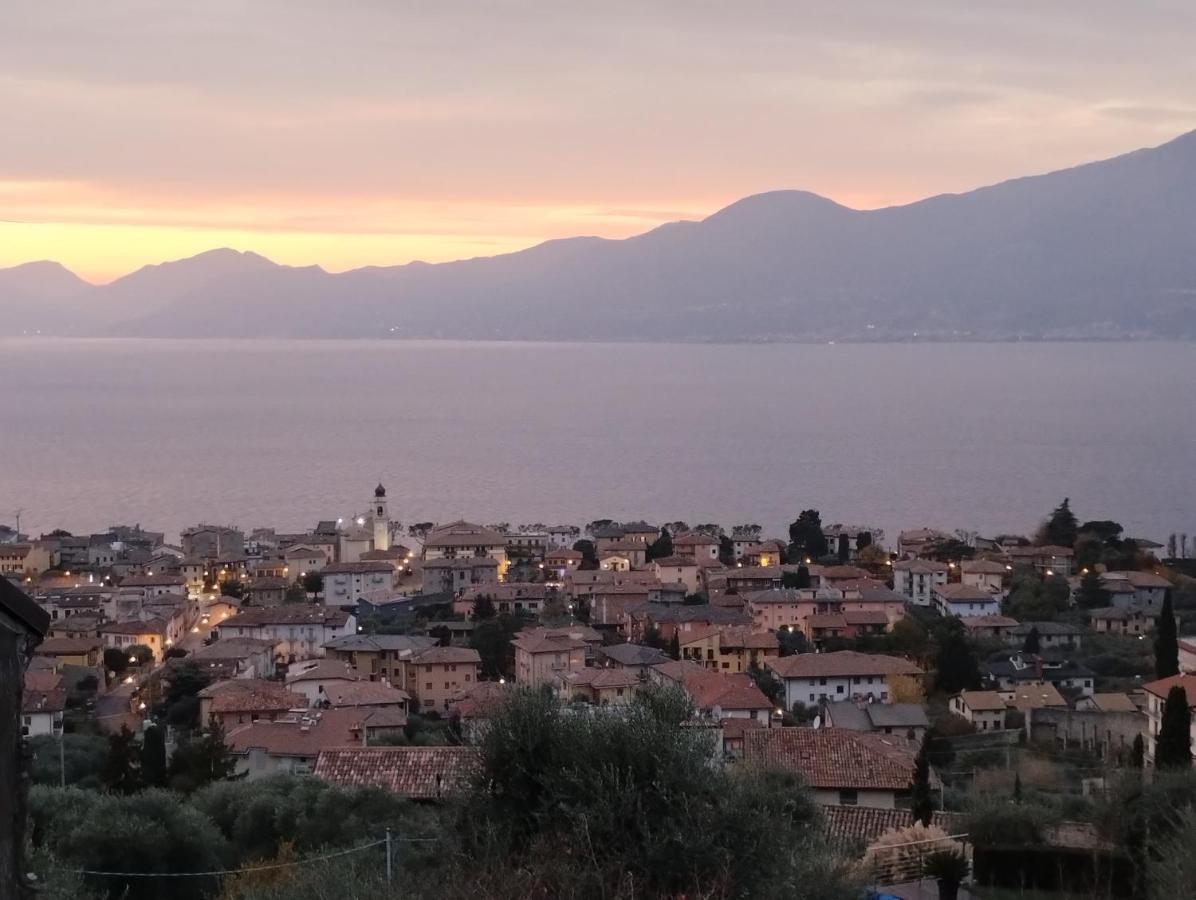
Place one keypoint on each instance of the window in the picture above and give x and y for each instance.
(849, 797)
(839, 689)
(428, 686)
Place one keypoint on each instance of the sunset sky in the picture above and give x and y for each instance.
(356, 132)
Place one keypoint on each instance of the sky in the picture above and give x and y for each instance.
(374, 132)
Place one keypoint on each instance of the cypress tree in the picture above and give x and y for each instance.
(153, 756)
(1138, 753)
(675, 646)
(921, 798)
(122, 770)
(1166, 642)
(1173, 747)
(1032, 644)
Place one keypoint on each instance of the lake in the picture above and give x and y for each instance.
(981, 436)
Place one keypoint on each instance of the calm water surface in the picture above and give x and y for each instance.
(984, 436)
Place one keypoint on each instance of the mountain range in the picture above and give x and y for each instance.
(1102, 250)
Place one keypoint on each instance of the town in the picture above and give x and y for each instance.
(998, 710)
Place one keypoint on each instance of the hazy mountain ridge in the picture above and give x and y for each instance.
(1102, 250)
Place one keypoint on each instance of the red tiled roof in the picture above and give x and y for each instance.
(834, 757)
(864, 824)
(251, 695)
(67, 646)
(419, 773)
(841, 663)
(1163, 686)
(295, 614)
(446, 655)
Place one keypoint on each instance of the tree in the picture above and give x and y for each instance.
(68, 758)
(232, 588)
(661, 547)
(921, 796)
(1138, 753)
(1173, 746)
(843, 551)
(653, 638)
(791, 641)
(483, 608)
(313, 583)
(1032, 643)
(554, 613)
(116, 660)
(1166, 641)
(806, 539)
(1091, 593)
(747, 532)
(726, 550)
(153, 756)
(589, 555)
(180, 706)
(492, 639)
(122, 768)
(200, 761)
(597, 525)
(1061, 527)
(678, 527)
(675, 645)
(955, 664)
(768, 683)
(296, 593)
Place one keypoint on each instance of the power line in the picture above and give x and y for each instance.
(263, 868)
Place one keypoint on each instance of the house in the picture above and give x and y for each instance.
(812, 678)
(542, 658)
(142, 587)
(267, 591)
(680, 569)
(609, 602)
(234, 657)
(241, 700)
(983, 573)
(292, 743)
(417, 773)
(1156, 697)
(1047, 561)
(346, 583)
(378, 657)
(1008, 672)
(846, 541)
(601, 687)
(907, 720)
(958, 599)
(1121, 620)
(746, 579)
(1051, 635)
(787, 608)
(1143, 590)
(458, 539)
(72, 651)
(716, 695)
(611, 561)
(1104, 725)
(1025, 697)
(312, 678)
(434, 676)
(43, 701)
(670, 619)
(639, 532)
(913, 543)
(841, 767)
(297, 631)
(151, 633)
(764, 554)
(473, 707)
(213, 542)
(561, 561)
(696, 545)
(984, 709)
(729, 648)
(271, 567)
(1187, 655)
(998, 627)
(916, 579)
(837, 576)
(455, 574)
(305, 558)
(634, 657)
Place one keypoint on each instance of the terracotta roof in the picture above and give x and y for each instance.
(602, 678)
(864, 824)
(358, 568)
(735, 727)
(293, 614)
(957, 592)
(510, 590)
(135, 626)
(1163, 686)
(866, 617)
(694, 539)
(1035, 696)
(376, 643)
(987, 621)
(1114, 703)
(921, 566)
(833, 757)
(709, 688)
(364, 693)
(542, 643)
(562, 553)
(153, 581)
(464, 534)
(303, 736)
(419, 773)
(840, 573)
(67, 646)
(841, 663)
(232, 648)
(633, 655)
(323, 670)
(981, 567)
(446, 655)
(678, 562)
(982, 701)
(251, 695)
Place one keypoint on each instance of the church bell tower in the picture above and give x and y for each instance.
(380, 519)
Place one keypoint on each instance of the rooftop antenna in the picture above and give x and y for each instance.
(17, 514)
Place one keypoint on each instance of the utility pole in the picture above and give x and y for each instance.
(389, 865)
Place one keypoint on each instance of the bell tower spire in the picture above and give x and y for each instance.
(380, 519)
